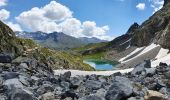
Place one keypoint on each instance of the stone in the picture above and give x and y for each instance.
(147, 63)
(58, 90)
(91, 97)
(23, 65)
(45, 88)
(2, 97)
(167, 75)
(121, 88)
(163, 90)
(5, 58)
(19, 94)
(150, 71)
(65, 85)
(135, 98)
(94, 85)
(67, 74)
(1, 81)
(13, 83)
(163, 64)
(24, 80)
(69, 94)
(154, 95)
(75, 82)
(10, 75)
(48, 96)
(137, 70)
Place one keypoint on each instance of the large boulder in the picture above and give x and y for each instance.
(141, 67)
(154, 95)
(4, 58)
(121, 88)
(48, 96)
(19, 94)
(91, 97)
(94, 85)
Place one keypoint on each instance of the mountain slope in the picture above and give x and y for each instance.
(155, 30)
(21, 49)
(57, 40)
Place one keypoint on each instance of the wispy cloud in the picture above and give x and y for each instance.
(3, 2)
(140, 6)
(156, 4)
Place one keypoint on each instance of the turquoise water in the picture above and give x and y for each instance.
(101, 64)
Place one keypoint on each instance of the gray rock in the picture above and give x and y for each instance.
(19, 94)
(120, 88)
(150, 71)
(91, 97)
(101, 92)
(24, 80)
(163, 90)
(1, 81)
(2, 97)
(76, 81)
(67, 74)
(135, 98)
(13, 83)
(167, 75)
(10, 75)
(5, 58)
(45, 88)
(58, 90)
(94, 85)
(48, 96)
(23, 65)
(147, 63)
(65, 85)
(140, 67)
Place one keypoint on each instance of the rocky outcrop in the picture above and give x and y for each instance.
(132, 28)
(156, 29)
(32, 80)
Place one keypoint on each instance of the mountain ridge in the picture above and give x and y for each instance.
(57, 40)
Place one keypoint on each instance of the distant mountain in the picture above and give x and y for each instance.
(91, 40)
(57, 40)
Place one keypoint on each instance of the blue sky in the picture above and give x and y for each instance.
(92, 18)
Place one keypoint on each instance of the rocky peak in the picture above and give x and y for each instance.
(132, 28)
(9, 44)
(166, 2)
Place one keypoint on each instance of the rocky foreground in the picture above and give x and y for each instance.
(27, 79)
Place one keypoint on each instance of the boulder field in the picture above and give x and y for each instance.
(27, 79)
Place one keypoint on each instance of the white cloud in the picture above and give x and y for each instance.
(156, 4)
(3, 2)
(140, 6)
(4, 14)
(14, 27)
(56, 11)
(56, 17)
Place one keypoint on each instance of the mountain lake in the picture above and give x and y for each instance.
(101, 64)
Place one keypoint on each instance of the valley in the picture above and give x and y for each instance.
(51, 65)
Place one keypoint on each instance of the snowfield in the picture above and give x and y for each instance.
(162, 56)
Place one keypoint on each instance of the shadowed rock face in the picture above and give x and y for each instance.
(8, 42)
(166, 2)
(132, 28)
(156, 29)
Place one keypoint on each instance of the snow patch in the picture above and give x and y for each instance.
(126, 41)
(104, 73)
(132, 53)
(147, 49)
(162, 53)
